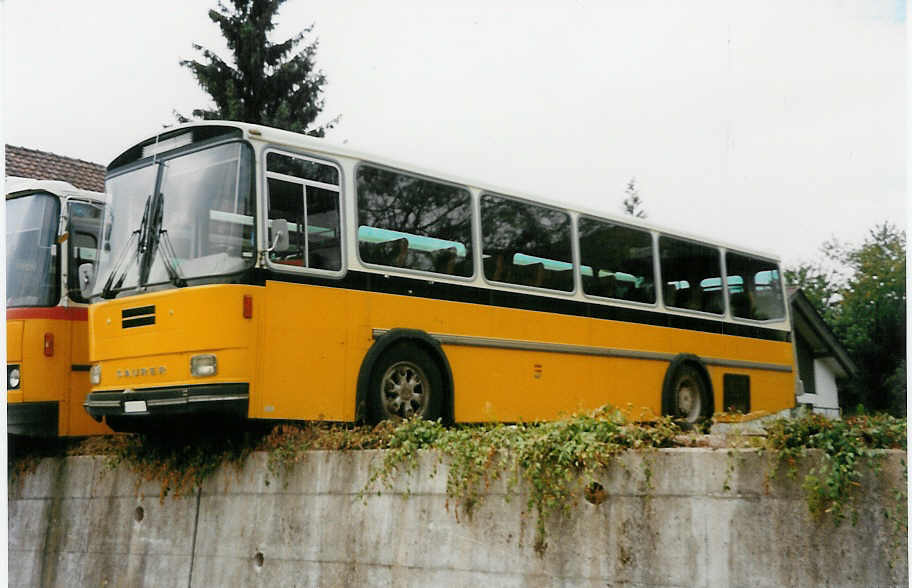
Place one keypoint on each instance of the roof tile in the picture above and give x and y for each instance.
(41, 165)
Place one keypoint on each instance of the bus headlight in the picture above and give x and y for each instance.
(95, 374)
(203, 365)
(12, 377)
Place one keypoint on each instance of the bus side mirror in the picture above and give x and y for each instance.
(279, 235)
(86, 273)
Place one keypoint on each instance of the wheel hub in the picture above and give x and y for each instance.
(685, 398)
(403, 390)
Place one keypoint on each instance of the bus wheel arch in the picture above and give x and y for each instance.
(392, 345)
(687, 392)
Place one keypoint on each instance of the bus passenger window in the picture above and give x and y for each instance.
(301, 193)
(299, 167)
(616, 261)
(526, 244)
(409, 222)
(691, 273)
(286, 201)
(754, 290)
(324, 250)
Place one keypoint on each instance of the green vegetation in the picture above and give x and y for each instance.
(555, 462)
(847, 446)
(550, 465)
(860, 291)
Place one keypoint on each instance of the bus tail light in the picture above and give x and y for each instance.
(248, 306)
(49, 344)
(203, 365)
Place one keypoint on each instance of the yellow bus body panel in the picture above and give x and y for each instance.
(302, 350)
(79, 422)
(205, 319)
(43, 377)
(53, 378)
(316, 338)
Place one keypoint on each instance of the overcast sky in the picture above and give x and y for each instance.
(774, 125)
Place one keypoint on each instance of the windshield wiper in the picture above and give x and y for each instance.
(148, 235)
(111, 284)
(170, 258)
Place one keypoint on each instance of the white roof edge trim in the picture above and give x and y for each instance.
(14, 186)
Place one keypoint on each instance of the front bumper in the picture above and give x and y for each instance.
(32, 419)
(141, 404)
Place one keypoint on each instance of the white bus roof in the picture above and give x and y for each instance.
(319, 145)
(14, 185)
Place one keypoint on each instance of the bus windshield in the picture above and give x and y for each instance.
(32, 265)
(198, 223)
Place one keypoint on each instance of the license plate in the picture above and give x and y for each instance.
(135, 406)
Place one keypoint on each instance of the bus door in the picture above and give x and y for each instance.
(82, 231)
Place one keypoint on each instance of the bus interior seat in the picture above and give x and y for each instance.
(741, 305)
(499, 267)
(328, 258)
(370, 252)
(531, 274)
(672, 296)
(559, 279)
(608, 286)
(768, 305)
(393, 253)
(711, 302)
(445, 261)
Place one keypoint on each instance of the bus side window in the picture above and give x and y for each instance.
(528, 245)
(410, 222)
(616, 261)
(697, 268)
(302, 192)
(754, 287)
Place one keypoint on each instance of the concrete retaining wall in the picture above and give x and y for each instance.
(709, 519)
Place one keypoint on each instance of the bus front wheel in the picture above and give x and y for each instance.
(405, 383)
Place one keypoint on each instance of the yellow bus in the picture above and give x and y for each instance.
(265, 274)
(51, 228)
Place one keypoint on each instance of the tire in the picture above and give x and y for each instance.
(405, 382)
(689, 399)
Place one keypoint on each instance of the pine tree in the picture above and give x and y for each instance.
(632, 203)
(273, 84)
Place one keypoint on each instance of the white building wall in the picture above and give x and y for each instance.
(826, 399)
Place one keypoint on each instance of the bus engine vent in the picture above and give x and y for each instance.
(137, 317)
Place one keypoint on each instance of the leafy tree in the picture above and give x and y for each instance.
(820, 285)
(872, 318)
(273, 84)
(866, 308)
(633, 205)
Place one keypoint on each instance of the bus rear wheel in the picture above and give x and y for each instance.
(689, 396)
(405, 383)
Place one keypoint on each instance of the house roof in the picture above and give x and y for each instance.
(41, 165)
(810, 326)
